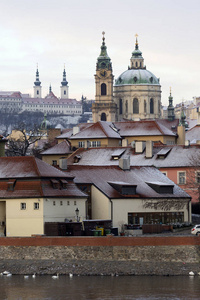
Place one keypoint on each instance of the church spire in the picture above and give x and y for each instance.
(64, 81)
(37, 81)
(37, 85)
(103, 61)
(170, 108)
(64, 86)
(50, 89)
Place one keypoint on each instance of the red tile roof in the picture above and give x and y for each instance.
(59, 149)
(139, 176)
(26, 177)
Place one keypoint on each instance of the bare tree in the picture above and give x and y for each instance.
(21, 146)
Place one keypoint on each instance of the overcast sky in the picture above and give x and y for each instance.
(57, 32)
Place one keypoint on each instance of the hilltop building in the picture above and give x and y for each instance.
(16, 102)
(135, 95)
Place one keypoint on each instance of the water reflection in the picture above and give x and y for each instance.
(100, 288)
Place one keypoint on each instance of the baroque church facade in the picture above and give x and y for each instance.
(136, 94)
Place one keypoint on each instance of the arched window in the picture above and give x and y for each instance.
(136, 64)
(145, 106)
(37, 92)
(120, 107)
(64, 92)
(126, 106)
(103, 117)
(135, 106)
(151, 106)
(103, 89)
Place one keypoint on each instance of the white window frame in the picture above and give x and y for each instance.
(36, 205)
(23, 205)
(180, 181)
(81, 144)
(197, 175)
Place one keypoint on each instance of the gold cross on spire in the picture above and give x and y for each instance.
(136, 35)
(103, 38)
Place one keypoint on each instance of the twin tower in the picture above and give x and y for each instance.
(64, 89)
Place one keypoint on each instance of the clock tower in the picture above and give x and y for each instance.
(104, 108)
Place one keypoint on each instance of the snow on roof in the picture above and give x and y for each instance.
(143, 128)
(179, 156)
(61, 148)
(193, 133)
(101, 176)
(27, 166)
(101, 129)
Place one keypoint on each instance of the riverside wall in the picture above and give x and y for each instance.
(174, 255)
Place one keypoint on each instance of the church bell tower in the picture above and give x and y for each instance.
(37, 86)
(104, 108)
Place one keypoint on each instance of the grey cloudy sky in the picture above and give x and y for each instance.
(53, 33)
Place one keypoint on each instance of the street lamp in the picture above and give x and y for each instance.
(77, 214)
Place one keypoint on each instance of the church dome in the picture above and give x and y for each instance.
(137, 76)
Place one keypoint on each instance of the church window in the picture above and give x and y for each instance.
(103, 89)
(136, 64)
(145, 106)
(103, 117)
(151, 79)
(64, 92)
(135, 79)
(37, 92)
(120, 107)
(151, 106)
(135, 106)
(126, 106)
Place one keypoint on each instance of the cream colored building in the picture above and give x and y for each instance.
(33, 193)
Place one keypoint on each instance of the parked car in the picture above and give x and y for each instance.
(196, 229)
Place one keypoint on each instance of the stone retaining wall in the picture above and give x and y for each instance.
(101, 255)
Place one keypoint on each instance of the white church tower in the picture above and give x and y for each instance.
(64, 87)
(37, 86)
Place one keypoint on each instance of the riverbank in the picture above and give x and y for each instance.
(147, 255)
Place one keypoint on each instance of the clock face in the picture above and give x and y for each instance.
(103, 73)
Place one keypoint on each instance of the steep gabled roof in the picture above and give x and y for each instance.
(27, 166)
(193, 134)
(59, 149)
(28, 177)
(100, 129)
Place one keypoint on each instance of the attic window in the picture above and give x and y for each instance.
(77, 158)
(151, 79)
(11, 185)
(117, 154)
(63, 183)
(162, 154)
(135, 79)
(124, 188)
(161, 188)
(55, 183)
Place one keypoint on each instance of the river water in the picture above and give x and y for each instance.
(100, 287)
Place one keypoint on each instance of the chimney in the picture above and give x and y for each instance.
(63, 163)
(124, 163)
(181, 135)
(139, 146)
(149, 149)
(124, 143)
(76, 130)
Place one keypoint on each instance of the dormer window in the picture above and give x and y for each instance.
(63, 183)
(161, 187)
(124, 188)
(55, 183)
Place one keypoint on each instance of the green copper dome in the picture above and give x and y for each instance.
(137, 76)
